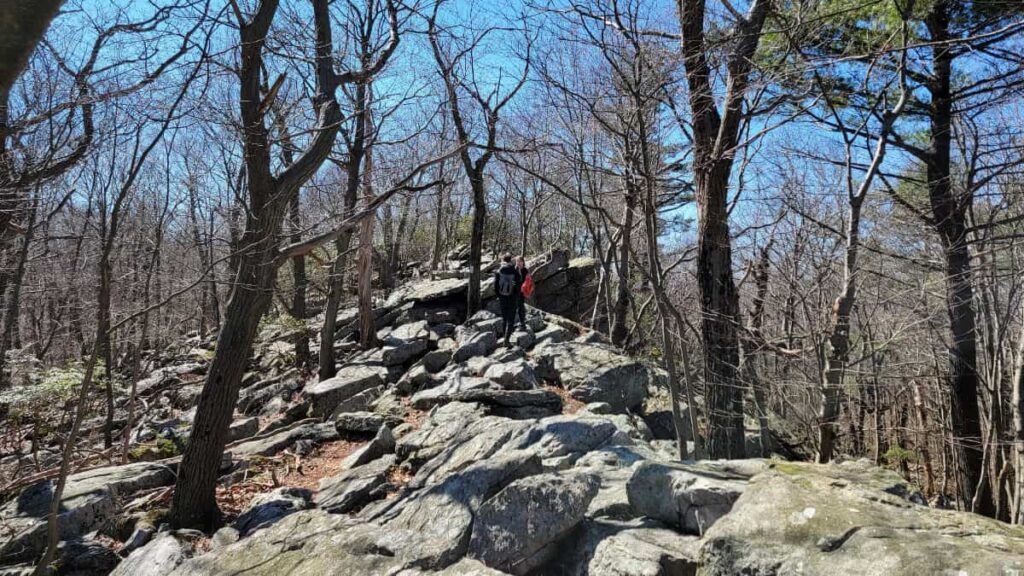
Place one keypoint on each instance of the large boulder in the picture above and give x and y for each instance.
(355, 487)
(407, 333)
(500, 402)
(522, 339)
(477, 441)
(394, 355)
(416, 378)
(266, 509)
(551, 334)
(569, 287)
(243, 428)
(272, 443)
(429, 291)
(307, 543)
(613, 465)
(513, 375)
(559, 436)
(435, 360)
(479, 344)
(509, 403)
(87, 556)
(688, 497)
(326, 395)
(363, 422)
(464, 567)
(165, 376)
(89, 502)
(405, 343)
(852, 519)
(627, 548)
(662, 424)
(519, 528)
(447, 392)
(441, 425)
(382, 443)
(158, 558)
(437, 521)
(594, 373)
(256, 397)
(486, 321)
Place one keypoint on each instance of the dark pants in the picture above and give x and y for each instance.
(508, 314)
(521, 311)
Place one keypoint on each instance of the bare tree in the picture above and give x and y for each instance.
(194, 501)
(838, 351)
(358, 139)
(715, 138)
(451, 61)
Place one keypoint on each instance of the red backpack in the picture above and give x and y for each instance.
(528, 286)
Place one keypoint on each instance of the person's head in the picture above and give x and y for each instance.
(520, 262)
(506, 257)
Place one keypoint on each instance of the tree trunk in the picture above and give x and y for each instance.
(667, 344)
(194, 502)
(715, 137)
(439, 216)
(143, 334)
(12, 294)
(620, 310)
(22, 26)
(67, 452)
(964, 375)
(719, 315)
(103, 339)
(922, 439)
(336, 281)
(1017, 515)
(335, 291)
(367, 330)
(303, 358)
(205, 300)
(387, 233)
(757, 386)
(476, 241)
(949, 216)
(395, 254)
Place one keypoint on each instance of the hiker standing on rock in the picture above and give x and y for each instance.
(522, 293)
(507, 285)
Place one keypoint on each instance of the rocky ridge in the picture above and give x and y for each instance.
(466, 457)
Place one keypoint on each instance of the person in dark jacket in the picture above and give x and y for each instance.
(521, 272)
(507, 287)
